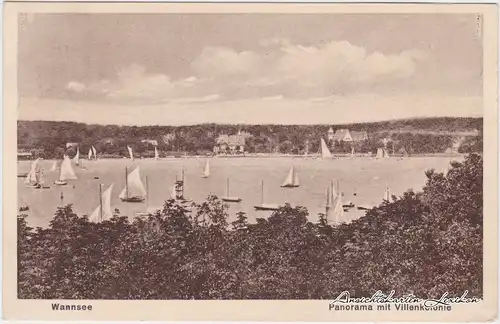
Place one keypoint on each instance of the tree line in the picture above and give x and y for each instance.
(48, 139)
(426, 243)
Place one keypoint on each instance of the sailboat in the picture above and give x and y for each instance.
(90, 153)
(95, 152)
(31, 178)
(157, 156)
(352, 152)
(66, 172)
(130, 152)
(325, 152)
(382, 153)
(264, 206)
(134, 189)
(228, 198)
(76, 159)
(334, 209)
(54, 166)
(103, 211)
(292, 180)
(173, 194)
(35, 178)
(387, 194)
(206, 171)
(149, 210)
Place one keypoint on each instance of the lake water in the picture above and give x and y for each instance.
(367, 177)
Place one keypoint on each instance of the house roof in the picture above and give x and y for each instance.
(340, 134)
(330, 130)
(152, 142)
(230, 140)
(358, 136)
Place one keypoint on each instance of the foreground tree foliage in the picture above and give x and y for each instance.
(425, 243)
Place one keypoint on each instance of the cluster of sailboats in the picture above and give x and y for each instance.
(326, 154)
(136, 192)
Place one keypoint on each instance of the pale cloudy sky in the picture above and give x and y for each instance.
(248, 68)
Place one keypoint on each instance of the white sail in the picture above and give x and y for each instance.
(325, 152)
(292, 179)
(54, 166)
(173, 194)
(95, 152)
(39, 176)
(386, 155)
(289, 178)
(90, 153)
(295, 178)
(380, 153)
(130, 153)
(338, 210)
(76, 159)
(32, 177)
(387, 194)
(334, 209)
(333, 189)
(206, 171)
(157, 156)
(66, 170)
(105, 207)
(352, 152)
(134, 187)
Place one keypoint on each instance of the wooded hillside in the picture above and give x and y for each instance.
(51, 137)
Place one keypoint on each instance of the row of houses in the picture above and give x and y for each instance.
(236, 143)
(345, 135)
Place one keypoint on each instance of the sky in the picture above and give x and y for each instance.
(178, 69)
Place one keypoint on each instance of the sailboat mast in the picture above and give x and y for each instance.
(147, 192)
(227, 187)
(100, 202)
(262, 193)
(126, 183)
(328, 203)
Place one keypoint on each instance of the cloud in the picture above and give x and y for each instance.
(279, 97)
(297, 70)
(224, 61)
(74, 86)
(277, 69)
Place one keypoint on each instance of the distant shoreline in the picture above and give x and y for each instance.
(309, 157)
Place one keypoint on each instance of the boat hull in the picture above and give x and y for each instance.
(133, 199)
(289, 186)
(24, 175)
(60, 183)
(268, 208)
(231, 199)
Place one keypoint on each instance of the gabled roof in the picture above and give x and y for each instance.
(152, 142)
(236, 140)
(340, 134)
(359, 136)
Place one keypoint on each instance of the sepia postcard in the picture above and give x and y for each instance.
(250, 162)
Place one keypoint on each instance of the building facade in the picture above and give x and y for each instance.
(229, 144)
(345, 135)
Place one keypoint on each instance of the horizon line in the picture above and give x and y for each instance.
(255, 124)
